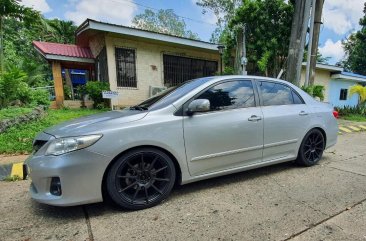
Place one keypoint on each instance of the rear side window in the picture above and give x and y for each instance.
(230, 95)
(297, 99)
(273, 93)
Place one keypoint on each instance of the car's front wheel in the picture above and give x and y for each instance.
(312, 148)
(141, 178)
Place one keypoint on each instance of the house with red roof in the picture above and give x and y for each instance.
(136, 63)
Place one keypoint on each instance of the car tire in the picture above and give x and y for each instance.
(311, 149)
(141, 178)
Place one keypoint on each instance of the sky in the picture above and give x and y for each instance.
(340, 17)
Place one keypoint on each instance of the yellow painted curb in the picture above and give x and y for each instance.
(362, 127)
(17, 170)
(345, 129)
(354, 128)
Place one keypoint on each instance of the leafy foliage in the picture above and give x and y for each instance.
(351, 110)
(94, 90)
(163, 21)
(355, 49)
(315, 91)
(14, 89)
(268, 24)
(22, 26)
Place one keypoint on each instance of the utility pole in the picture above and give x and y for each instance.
(307, 75)
(314, 50)
(244, 57)
(297, 40)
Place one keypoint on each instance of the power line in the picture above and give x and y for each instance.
(156, 9)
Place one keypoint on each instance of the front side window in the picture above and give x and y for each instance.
(126, 67)
(275, 94)
(230, 95)
(343, 94)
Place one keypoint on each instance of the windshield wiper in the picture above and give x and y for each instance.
(138, 107)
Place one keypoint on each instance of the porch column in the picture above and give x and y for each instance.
(57, 79)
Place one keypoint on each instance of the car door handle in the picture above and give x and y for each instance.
(302, 113)
(254, 118)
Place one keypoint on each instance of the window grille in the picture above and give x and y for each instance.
(126, 67)
(179, 69)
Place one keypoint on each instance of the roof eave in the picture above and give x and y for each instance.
(68, 58)
(342, 76)
(327, 67)
(90, 24)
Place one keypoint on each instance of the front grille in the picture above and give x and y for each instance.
(38, 144)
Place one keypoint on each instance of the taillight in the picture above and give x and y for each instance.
(335, 114)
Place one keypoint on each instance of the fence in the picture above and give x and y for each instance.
(69, 95)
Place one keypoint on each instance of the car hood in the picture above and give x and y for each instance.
(95, 123)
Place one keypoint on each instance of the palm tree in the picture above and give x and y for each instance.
(63, 31)
(361, 91)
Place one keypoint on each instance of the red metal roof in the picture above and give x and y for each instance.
(69, 50)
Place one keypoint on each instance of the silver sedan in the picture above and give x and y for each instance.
(200, 129)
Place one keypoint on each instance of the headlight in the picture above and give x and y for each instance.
(64, 145)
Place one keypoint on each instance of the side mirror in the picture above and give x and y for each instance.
(198, 105)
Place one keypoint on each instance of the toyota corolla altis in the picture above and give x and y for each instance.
(200, 129)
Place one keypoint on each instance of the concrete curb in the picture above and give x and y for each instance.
(12, 170)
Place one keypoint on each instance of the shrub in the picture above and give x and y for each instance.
(315, 91)
(40, 97)
(13, 87)
(350, 110)
(94, 90)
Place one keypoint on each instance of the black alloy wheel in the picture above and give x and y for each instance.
(312, 148)
(141, 178)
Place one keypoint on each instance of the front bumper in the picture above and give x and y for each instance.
(80, 172)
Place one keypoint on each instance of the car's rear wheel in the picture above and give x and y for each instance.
(141, 178)
(312, 148)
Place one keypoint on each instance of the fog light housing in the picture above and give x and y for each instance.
(55, 187)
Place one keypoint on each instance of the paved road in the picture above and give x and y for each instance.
(282, 202)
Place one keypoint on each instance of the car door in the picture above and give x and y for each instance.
(286, 119)
(230, 134)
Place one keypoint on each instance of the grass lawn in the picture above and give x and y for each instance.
(354, 117)
(18, 139)
(9, 113)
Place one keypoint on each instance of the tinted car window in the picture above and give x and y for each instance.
(275, 94)
(297, 99)
(172, 94)
(230, 95)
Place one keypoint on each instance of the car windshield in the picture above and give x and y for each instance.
(170, 95)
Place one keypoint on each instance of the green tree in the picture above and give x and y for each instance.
(163, 21)
(268, 24)
(63, 31)
(224, 10)
(355, 49)
(10, 9)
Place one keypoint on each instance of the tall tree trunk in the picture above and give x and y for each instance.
(297, 41)
(314, 47)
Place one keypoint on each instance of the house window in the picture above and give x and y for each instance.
(126, 67)
(179, 69)
(343, 94)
